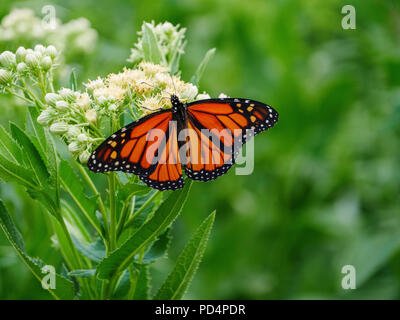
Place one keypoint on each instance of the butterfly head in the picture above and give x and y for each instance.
(175, 102)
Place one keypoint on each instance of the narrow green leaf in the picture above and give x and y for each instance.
(36, 131)
(64, 288)
(151, 49)
(142, 290)
(37, 164)
(10, 171)
(73, 185)
(94, 251)
(159, 248)
(72, 81)
(82, 273)
(200, 70)
(168, 211)
(9, 148)
(188, 261)
(122, 286)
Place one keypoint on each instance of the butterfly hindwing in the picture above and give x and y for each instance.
(167, 174)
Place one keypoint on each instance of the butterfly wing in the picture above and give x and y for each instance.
(142, 148)
(225, 122)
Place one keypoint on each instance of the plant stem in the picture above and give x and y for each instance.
(135, 276)
(113, 218)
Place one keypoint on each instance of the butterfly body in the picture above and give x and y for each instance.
(202, 137)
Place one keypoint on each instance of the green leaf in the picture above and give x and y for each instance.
(159, 248)
(44, 143)
(94, 251)
(142, 290)
(73, 185)
(72, 81)
(118, 260)
(10, 171)
(122, 286)
(127, 191)
(36, 131)
(200, 70)
(82, 273)
(188, 261)
(64, 288)
(9, 148)
(151, 49)
(37, 164)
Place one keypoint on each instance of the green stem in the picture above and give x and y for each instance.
(113, 218)
(135, 276)
(29, 92)
(124, 214)
(19, 96)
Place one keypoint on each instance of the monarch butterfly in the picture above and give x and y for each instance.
(203, 137)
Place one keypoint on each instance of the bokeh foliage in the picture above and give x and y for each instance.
(324, 191)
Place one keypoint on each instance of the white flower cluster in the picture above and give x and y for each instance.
(25, 62)
(77, 116)
(144, 87)
(170, 40)
(23, 27)
(71, 114)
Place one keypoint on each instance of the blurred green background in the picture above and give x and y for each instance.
(325, 188)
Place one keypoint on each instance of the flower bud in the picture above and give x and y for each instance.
(62, 105)
(40, 48)
(59, 127)
(82, 137)
(67, 94)
(51, 51)
(203, 96)
(73, 132)
(113, 107)
(31, 60)
(7, 59)
(45, 117)
(83, 101)
(22, 67)
(5, 77)
(20, 54)
(46, 63)
(52, 98)
(189, 92)
(74, 147)
(91, 115)
(84, 156)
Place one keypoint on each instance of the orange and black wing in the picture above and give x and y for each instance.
(147, 147)
(217, 129)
